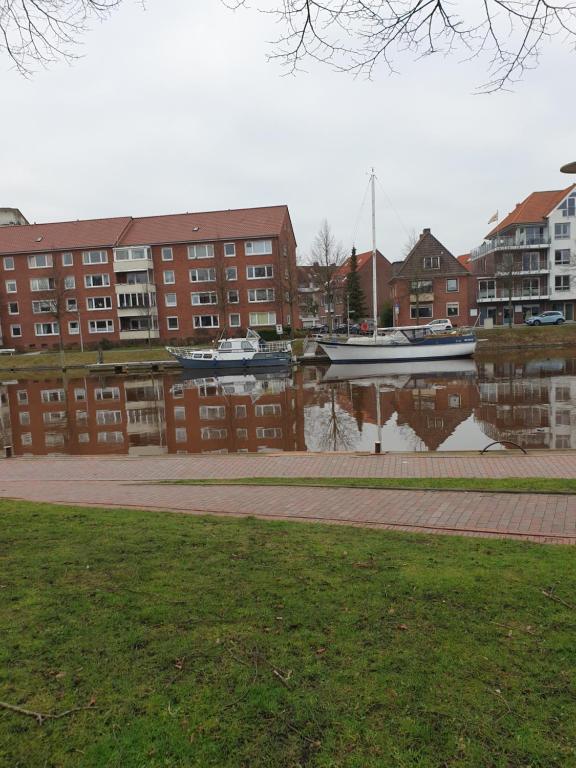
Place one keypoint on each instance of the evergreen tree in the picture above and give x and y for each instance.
(356, 300)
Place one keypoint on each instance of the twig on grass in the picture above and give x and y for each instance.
(41, 716)
(552, 596)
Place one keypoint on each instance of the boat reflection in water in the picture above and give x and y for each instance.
(455, 404)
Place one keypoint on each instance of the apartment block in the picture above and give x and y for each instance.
(168, 278)
(529, 260)
(432, 283)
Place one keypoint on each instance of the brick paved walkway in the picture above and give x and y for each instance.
(118, 482)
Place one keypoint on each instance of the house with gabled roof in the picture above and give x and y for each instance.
(431, 284)
(527, 262)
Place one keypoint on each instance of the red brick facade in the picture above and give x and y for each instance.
(168, 278)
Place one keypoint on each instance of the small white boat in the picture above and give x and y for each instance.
(396, 374)
(249, 351)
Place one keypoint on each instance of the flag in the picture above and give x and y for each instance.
(493, 218)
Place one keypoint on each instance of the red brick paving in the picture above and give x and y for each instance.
(118, 482)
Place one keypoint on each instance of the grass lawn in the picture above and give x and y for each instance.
(525, 336)
(490, 485)
(244, 643)
(48, 359)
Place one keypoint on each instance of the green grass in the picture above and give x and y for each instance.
(525, 336)
(490, 485)
(242, 643)
(49, 359)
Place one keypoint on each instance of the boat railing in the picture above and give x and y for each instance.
(276, 346)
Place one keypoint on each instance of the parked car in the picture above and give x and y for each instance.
(440, 324)
(546, 318)
(318, 329)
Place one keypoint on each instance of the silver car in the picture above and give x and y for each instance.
(546, 318)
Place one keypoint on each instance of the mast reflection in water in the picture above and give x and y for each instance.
(456, 405)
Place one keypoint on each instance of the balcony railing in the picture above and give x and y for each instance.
(521, 269)
(508, 244)
(518, 294)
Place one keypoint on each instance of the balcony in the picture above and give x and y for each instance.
(132, 259)
(509, 244)
(152, 333)
(542, 268)
(518, 294)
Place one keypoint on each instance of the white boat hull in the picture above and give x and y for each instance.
(438, 349)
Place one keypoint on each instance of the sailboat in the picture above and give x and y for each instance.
(403, 344)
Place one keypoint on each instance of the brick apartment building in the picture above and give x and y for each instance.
(431, 283)
(527, 263)
(316, 308)
(171, 278)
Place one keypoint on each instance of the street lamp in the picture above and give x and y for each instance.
(569, 168)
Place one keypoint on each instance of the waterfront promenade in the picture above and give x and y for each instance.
(130, 482)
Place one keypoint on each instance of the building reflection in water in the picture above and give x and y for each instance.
(530, 402)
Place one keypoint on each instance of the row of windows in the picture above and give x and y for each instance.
(255, 296)
(57, 438)
(59, 396)
(198, 251)
(426, 310)
(426, 286)
(529, 286)
(202, 275)
(53, 329)
(220, 433)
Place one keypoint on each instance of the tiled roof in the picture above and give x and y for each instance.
(150, 230)
(427, 245)
(464, 259)
(361, 258)
(212, 225)
(533, 210)
(63, 235)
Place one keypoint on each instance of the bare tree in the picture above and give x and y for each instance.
(354, 35)
(326, 257)
(38, 32)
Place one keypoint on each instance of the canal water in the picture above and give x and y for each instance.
(460, 405)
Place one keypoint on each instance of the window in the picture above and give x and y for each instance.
(11, 286)
(70, 282)
(67, 260)
(562, 231)
(52, 417)
(260, 294)
(94, 257)
(53, 439)
(206, 321)
(131, 254)
(107, 393)
(52, 396)
(234, 297)
(96, 281)
(8, 262)
(424, 310)
(431, 262)
(262, 318)
(172, 323)
(80, 394)
(42, 284)
(203, 275)
(562, 282)
(167, 254)
(212, 412)
(110, 437)
(13, 308)
(562, 257)
(259, 273)
(213, 433)
(486, 289)
(101, 326)
(22, 397)
(15, 331)
(108, 417)
(269, 409)
(99, 302)
(263, 432)
(568, 206)
(452, 285)
(38, 307)
(169, 277)
(179, 413)
(234, 320)
(71, 305)
(242, 433)
(46, 329)
(229, 249)
(26, 438)
(40, 261)
(181, 434)
(81, 416)
(170, 300)
(204, 298)
(201, 251)
(452, 310)
(73, 327)
(240, 412)
(258, 247)
(562, 418)
(24, 418)
(231, 273)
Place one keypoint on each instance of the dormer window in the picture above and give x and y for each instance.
(568, 206)
(431, 262)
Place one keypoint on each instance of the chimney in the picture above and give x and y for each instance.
(426, 231)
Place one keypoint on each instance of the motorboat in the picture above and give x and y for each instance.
(239, 353)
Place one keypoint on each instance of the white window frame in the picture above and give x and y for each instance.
(138, 253)
(211, 275)
(196, 322)
(67, 259)
(168, 299)
(167, 253)
(35, 282)
(72, 305)
(201, 251)
(89, 280)
(166, 274)
(9, 263)
(39, 329)
(231, 271)
(94, 257)
(237, 299)
(172, 327)
(562, 253)
(73, 327)
(90, 300)
(252, 268)
(232, 322)
(69, 283)
(92, 326)
(562, 230)
(195, 298)
(11, 286)
(564, 281)
(434, 262)
(16, 331)
(43, 306)
(46, 261)
(253, 295)
(255, 320)
(452, 304)
(264, 250)
(414, 307)
(453, 290)
(232, 247)
(10, 303)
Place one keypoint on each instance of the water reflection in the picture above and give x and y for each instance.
(456, 405)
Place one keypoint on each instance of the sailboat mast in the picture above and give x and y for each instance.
(374, 285)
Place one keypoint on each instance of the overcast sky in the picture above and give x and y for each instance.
(175, 108)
